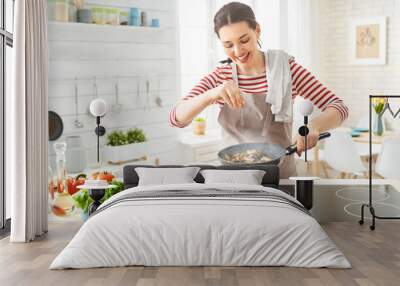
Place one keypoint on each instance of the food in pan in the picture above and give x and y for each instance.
(248, 156)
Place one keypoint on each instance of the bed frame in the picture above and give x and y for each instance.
(270, 179)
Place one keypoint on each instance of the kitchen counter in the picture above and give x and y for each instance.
(347, 182)
(211, 137)
(201, 148)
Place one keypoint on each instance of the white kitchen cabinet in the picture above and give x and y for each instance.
(201, 148)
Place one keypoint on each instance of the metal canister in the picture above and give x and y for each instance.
(143, 18)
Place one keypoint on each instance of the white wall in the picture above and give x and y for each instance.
(355, 83)
(85, 51)
(196, 49)
(268, 16)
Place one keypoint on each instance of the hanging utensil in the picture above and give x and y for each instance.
(77, 122)
(56, 126)
(147, 94)
(95, 95)
(158, 99)
(116, 107)
(138, 97)
(258, 153)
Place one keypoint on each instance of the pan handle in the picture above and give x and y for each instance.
(293, 148)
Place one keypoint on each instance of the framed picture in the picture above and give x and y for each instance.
(368, 41)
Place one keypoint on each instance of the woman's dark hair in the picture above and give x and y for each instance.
(234, 12)
(231, 13)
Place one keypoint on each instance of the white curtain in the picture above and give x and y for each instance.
(302, 25)
(27, 123)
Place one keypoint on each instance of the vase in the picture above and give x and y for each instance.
(84, 216)
(378, 125)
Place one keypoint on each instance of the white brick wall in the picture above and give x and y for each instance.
(131, 53)
(354, 83)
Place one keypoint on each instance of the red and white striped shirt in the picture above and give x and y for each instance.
(303, 84)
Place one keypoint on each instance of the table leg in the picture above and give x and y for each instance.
(316, 163)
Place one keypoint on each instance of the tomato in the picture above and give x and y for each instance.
(104, 175)
(60, 186)
(58, 211)
(94, 175)
(52, 189)
(72, 184)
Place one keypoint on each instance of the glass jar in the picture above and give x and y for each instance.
(111, 16)
(58, 10)
(123, 17)
(98, 16)
(62, 203)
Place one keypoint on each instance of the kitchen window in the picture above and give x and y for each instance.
(6, 44)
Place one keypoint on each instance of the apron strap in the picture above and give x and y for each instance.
(234, 73)
(236, 80)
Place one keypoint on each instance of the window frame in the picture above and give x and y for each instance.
(6, 39)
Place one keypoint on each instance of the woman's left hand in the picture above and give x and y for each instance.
(312, 140)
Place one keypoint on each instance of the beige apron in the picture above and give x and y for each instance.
(254, 123)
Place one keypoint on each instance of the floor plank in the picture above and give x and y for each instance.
(375, 257)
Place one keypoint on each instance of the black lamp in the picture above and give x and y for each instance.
(304, 185)
(305, 109)
(98, 108)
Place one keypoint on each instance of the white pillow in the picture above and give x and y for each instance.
(248, 177)
(166, 176)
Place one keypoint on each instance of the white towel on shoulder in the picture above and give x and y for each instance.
(279, 78)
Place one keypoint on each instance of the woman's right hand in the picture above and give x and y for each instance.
(229, 92)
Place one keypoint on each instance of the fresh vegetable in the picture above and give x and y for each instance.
(83, 200)
(58, 211)
(112, 191)
(104, 175)
(80, 176)
(52, 189)
(72, 184)
(60, 186)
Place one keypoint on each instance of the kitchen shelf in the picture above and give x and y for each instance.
(82, 32)
(58, 24)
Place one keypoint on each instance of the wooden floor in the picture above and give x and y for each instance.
(375, 257)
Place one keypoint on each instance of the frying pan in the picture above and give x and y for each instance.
(273, 151)
(55, 126)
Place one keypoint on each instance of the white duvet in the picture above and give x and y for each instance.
(200, 231)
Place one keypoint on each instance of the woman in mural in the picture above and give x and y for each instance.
(256, 90)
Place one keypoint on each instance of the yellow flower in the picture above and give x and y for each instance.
(378, 103)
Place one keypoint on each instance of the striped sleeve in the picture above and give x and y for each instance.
(208, 82)
(308, 87)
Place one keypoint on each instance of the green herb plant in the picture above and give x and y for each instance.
(199, 119)
(133, 135)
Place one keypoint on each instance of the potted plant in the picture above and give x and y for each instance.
(378, 104)
(199, 126)
(83, 15)
(123, 146)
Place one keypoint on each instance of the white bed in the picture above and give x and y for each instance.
(189, 230)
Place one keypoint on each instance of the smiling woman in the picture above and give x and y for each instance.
(256, 90)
